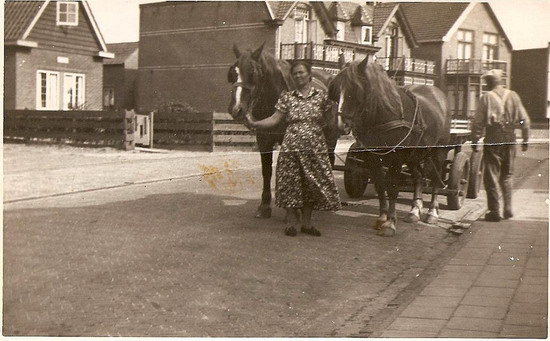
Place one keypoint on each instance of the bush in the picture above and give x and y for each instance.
(177, 107)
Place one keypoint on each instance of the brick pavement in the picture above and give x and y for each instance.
(496, 285)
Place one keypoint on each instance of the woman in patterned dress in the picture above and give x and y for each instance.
(304, 179)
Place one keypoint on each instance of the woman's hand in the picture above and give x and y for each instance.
(250, 122)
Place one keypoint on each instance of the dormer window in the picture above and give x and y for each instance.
(366, 35)
(67, 13)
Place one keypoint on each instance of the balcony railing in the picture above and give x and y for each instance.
(407, 64)
(316, 52)
(474, 66)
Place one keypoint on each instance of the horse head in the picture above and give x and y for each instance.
(348, 89)
(245, 75)
(364, 91)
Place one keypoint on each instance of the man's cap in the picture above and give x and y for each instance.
(496, 74)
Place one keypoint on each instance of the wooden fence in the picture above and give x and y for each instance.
(88, 128)
(207, 131)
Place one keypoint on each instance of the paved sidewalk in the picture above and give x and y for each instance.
(496, 285)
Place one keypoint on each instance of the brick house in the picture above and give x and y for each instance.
(186, 47)
(531, 80)
(323, 32)
(465, 40)
(120, 76)
(394, 36)
(53, 56)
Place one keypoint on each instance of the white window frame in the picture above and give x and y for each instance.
(366, 35)
(72, 8)
(341, 28)
(465, 44)
(80, 97)
(301, 24)
(489, 45)
(52, 94)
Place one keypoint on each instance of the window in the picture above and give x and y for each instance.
(108, 97)
(73, 91)
(366, 35)
(490, 46)
(47, 90)
(465, 44)
(392, 42)
(463, 99)
(67, 13)
(341, 27)
(301, 18)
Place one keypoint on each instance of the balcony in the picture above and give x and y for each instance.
(474, 66)
(405, 65)
(319, 53)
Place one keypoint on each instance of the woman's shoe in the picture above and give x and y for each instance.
(311, 231)
(492, 216)
(291, 231)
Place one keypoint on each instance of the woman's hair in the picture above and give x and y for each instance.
(303, 63)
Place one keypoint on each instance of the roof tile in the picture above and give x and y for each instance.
(381, 13)
(18, 15)
(420, 16)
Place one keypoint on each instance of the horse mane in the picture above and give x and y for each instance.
(383, 90)
(371, 89)
(274, 70)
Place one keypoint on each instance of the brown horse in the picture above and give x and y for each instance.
(258, 80)
(395, 126)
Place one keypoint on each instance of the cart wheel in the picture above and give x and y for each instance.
(355, 179)
(458, 180)
(476, 174)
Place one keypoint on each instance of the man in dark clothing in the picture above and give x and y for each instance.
(500, 112)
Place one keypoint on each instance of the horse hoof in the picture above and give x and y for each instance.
(411, 218)
(263, 212)
(431, 219)
(387, 230)
(378, 224)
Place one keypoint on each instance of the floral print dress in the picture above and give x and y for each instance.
(304, 173)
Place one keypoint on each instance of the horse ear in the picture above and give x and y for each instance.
(363, 65)
(256, 54)
(236, 50)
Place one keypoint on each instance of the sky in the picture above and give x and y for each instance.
(525, 21)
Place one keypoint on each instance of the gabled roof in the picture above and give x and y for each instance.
(18, 16)
(363, 15)
(421, 17)
(383, 15)
(338, 12)
(124, 53)
(450, 16)
(21, 16)
(280, 9)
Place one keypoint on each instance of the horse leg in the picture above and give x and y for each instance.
(389, 227)
(264, 210)
(414, 214)
(331, 146)
(380, 186)
(433, 211)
